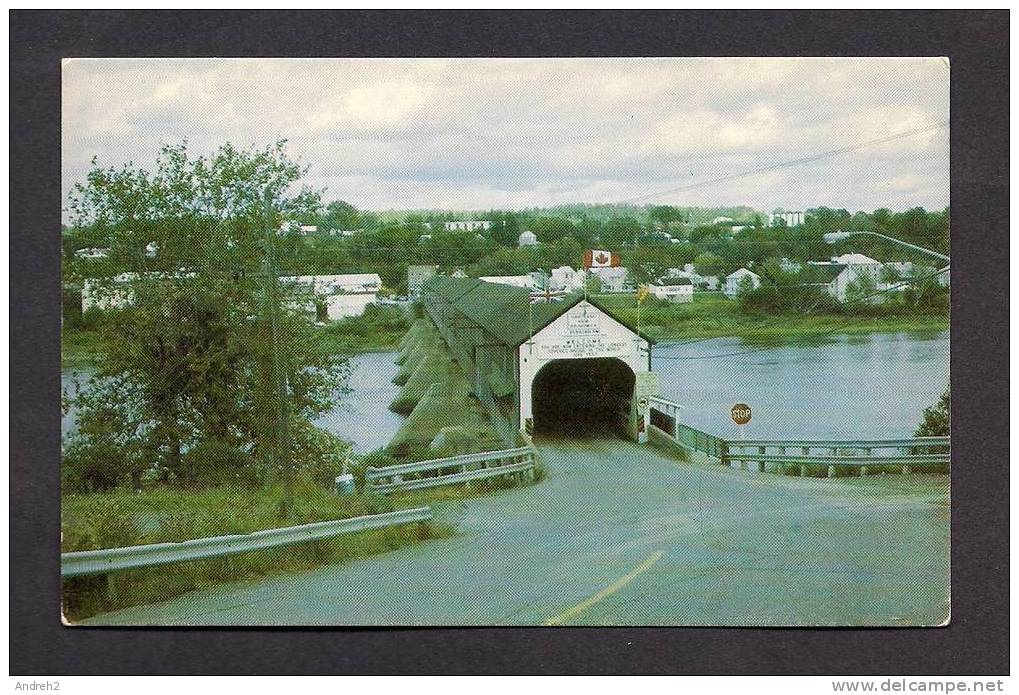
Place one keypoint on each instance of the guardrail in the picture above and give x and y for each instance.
(87, 562)
(782, 454)
(903, 453)
(452, 470)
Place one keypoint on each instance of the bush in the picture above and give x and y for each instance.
(937, 419)
(215, 462)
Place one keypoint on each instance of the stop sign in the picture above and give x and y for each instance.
(740, 413)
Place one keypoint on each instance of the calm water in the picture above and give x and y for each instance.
(867, 386)
(861, 386)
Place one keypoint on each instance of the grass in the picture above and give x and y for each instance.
(715, 316)
(80, 348)
(121, 518)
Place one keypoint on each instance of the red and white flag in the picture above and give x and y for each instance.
(600, 259)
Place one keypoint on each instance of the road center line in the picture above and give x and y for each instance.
(606, 592)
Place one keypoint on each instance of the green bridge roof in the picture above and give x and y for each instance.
(504, 311)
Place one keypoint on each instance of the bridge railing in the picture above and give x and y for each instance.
(85, 562)
(860, 455)
(453, 470)
(805, 456)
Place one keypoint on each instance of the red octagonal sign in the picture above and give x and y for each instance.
(740, 413)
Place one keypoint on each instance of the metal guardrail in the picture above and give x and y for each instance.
(452, 470)
(905, 453)
(862, 454)
(86, 562)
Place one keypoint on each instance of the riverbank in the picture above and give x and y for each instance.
(379, 329)
(716, 316)
(164, 515)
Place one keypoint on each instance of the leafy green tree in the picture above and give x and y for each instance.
(937, 419)
(708, 263)
(194, 356)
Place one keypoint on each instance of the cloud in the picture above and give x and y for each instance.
(478, 133)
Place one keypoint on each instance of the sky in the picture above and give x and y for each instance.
(476, 134)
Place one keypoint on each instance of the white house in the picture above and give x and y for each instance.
(566, 279)
(108, 293)
(467, 225)
(791, 219)
(92, 253)
(527, 238)
(722, 220)
(614, 279)
(525, 281)
(734, 282)
(679, 294)
(345, 294)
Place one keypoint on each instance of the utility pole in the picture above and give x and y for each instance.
(280, 455)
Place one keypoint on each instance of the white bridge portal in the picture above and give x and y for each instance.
(568, 366)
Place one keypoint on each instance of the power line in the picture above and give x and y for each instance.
(788, 163)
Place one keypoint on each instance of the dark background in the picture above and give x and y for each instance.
(976, 642)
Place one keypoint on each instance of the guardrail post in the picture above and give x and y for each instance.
(762, 451)
(723, 450)
(831, 471)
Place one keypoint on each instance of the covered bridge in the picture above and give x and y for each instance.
(568, 366)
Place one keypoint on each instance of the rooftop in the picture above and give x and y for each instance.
(506, 312)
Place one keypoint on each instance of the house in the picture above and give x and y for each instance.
(527, 238)
(791, 219)
(723, 220)
(417, 275)
(103, 294)
(788, 265)
(566, 279)
(708, 282)
(526, 281)
(467, 225)
(344, 295)
(854, 259)
(735, 282)
(117, 292)
(92, 253)
(678, 290)
(614, 279)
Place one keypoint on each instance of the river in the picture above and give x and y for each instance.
(860, 386)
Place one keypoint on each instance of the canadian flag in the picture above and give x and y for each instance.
(600, 259)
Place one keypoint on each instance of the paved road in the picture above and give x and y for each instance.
(619, 534)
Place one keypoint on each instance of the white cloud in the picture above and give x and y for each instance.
(392, 133)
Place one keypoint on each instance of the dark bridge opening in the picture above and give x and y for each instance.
(582, 397)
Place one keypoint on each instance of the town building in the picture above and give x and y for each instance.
(614, 279)
(344, 295)
(791, 219)
(527, 238)
(679, 291)
(417, 275)
(467, 225)
(566, 279)
(735, 282)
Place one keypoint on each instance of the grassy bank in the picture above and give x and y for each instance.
(715, 316)
(80, 348)
(122, 518)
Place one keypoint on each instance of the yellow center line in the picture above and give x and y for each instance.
(606, 592)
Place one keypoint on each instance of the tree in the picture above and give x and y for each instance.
(194, 357)
(708, 263)
(937, 419)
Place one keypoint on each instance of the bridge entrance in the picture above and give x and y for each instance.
(583, 397)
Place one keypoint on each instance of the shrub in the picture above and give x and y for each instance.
(215, 462)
